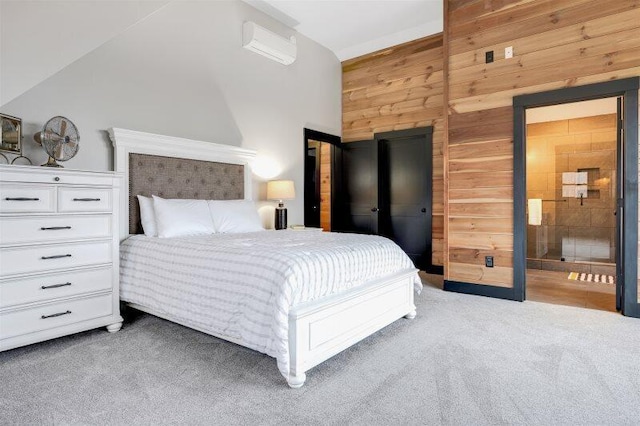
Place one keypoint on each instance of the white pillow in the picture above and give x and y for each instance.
(176, 218)
(147, 216)
(235, 216)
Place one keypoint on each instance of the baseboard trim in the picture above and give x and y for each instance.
(434, 269)
(481, 290)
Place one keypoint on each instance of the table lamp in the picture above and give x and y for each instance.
(280, 190)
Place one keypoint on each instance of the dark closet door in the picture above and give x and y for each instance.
(405, 192)
(385, 189)
(359, 188)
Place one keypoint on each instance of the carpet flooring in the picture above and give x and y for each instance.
(463, 360)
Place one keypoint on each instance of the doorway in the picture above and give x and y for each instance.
(576, 199)
(319, 151)
(571, 186)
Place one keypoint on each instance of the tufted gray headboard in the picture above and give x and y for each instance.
(172, 167)
(180, 178)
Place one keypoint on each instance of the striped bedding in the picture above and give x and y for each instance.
(242, 286)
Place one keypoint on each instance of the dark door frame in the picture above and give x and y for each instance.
(310, 134)
(627, 207)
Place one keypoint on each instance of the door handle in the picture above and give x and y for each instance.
(86, 199)
(375, 209)
(423, 210)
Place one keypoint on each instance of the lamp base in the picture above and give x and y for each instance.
(281, 218)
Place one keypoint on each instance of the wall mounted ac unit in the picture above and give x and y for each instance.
(266, 43)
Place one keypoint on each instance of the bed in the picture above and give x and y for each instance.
(312, 297)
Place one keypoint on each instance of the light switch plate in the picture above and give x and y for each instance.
(508, 52)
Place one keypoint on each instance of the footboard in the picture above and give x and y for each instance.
(320, 329)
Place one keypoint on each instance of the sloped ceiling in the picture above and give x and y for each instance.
(40, 38)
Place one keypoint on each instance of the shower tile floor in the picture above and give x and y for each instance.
(554, 287)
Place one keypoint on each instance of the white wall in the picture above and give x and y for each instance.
(182, 72)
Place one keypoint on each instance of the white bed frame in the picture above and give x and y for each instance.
(317, 330)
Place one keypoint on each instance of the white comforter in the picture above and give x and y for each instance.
(242, 286)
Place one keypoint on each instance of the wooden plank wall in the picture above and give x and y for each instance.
(557, 43)
(395, 89)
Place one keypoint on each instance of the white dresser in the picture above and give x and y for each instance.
(58, 253)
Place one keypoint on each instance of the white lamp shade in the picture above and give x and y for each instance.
(280, 190)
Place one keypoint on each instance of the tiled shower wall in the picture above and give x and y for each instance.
(574, 232)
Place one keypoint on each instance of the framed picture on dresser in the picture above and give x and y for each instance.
(11, 134)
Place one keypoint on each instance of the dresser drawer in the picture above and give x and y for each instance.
(15, 198)
(53, 315)
(23, 260)
(19, 230)
(51, 286)
(84, 200)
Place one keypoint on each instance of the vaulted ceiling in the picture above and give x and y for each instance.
(40, 38)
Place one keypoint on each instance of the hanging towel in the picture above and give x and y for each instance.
(581, 191)
(535, 211)
(569, 178)
(582, 178)
(569, 191)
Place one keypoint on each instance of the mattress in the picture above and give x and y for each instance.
(241, 287)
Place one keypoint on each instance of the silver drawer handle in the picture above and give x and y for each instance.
(54, 228)
(59, 314)
(21, 199)
(44, 287)
(86, 199)
(57, 256)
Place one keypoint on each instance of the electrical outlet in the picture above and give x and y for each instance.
(488, 57)
(508, 52)
(488, 261)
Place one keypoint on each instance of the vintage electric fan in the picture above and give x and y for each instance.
(60, 139)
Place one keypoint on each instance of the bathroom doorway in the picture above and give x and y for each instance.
(319, 152)
(576, 196)
(571, 187)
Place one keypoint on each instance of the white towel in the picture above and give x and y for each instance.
(569, 191)
(582, 178)
(535, 211)
(569, 178)
(581, 190)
